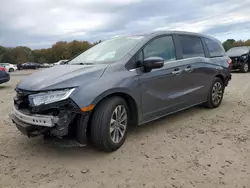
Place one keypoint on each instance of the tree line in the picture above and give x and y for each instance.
(230, 43)
(58, 51)
(66, 50)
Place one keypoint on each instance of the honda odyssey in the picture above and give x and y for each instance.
(121, 82)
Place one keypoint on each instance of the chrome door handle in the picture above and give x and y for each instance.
(176, 72)
(188, 69)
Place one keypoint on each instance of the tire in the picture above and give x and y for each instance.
(244, 67)
(101, 133)
(11, 70)
(211, 102)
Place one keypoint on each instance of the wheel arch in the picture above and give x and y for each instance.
(130, 100)
(221, 77)
(84, 127)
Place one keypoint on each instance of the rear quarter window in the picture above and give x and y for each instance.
(191, 46)
(215, 49)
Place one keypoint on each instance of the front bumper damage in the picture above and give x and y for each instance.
(55, 120)
(32, 125)
(237, 62)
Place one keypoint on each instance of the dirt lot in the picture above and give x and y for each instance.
(195, 148)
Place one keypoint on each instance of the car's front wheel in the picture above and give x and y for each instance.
(215, 94)
(109, 124)
(244, 67)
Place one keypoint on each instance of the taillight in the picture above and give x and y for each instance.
(3, 69)
(230, 62)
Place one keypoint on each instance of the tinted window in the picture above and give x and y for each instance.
(161, 47)
(191, 47)
(214, 48)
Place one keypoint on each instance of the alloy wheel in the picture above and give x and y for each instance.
(246, 67)
(217, 93)
(118, 124)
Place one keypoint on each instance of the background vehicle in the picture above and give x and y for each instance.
(4, 76)
(240, 58)
(61, 62)
(124, 81)
(46, 65)
(9, 67)
(28, 65)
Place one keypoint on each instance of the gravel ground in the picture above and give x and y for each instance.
(194, 148)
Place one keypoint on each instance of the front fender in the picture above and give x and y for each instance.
(92, 93)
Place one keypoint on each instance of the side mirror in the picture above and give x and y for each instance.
(152, 63)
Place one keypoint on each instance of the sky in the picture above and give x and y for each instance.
(40, 23)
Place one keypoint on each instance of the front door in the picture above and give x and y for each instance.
(161, 89)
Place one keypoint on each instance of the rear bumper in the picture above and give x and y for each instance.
(6, 79)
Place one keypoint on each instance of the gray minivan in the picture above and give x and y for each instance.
(121, 82)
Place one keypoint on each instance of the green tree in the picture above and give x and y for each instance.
(228, 44)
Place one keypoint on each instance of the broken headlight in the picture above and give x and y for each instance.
(49, 97)
(244, 57)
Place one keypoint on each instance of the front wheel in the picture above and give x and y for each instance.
(244, 67)
(109, 124)
(215, 94)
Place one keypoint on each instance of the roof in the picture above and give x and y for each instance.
(162, 32)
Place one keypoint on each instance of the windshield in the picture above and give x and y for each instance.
(108, 51)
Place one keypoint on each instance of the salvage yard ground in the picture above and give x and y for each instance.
(195, 148)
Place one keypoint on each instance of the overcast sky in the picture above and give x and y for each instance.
(40, 23)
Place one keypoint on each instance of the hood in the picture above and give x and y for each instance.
(237, 52)
(61, 76)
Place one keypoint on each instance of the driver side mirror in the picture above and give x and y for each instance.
(152, 63)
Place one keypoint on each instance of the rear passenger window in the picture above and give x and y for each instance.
(215, 50)
(191, 47)
(160, 47)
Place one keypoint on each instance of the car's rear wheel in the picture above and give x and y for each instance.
(11, 70)
(244, 67)
(109, 124)
(215, 94)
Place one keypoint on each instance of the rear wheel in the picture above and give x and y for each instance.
(109, 124)
(244, 67)
(11, 70)
(215, 94)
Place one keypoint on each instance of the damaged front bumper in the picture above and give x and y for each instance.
(32, 125)
(60, 119)
(238, 62)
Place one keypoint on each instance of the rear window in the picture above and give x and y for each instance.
(191, 47)
(215, 50)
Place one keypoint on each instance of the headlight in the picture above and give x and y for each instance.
(244, 57)
(49, 97)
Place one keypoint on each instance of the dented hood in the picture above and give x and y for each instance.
(61, 76)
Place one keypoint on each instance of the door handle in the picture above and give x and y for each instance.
(188, 69)
(176, 71)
